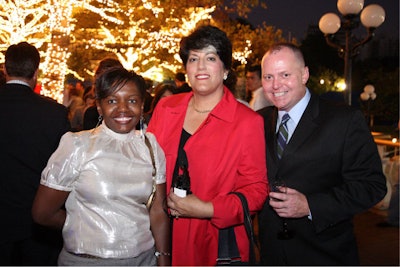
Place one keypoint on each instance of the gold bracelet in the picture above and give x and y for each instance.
(158, 254)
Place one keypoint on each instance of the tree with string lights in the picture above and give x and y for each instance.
(143, 34)
(22, 20)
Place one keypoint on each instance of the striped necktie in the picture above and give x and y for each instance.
(282, 135)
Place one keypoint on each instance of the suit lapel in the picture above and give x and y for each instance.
(271, 135)
(305, 127)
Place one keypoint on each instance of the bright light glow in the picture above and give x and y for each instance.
(46, 24)
(23, 20)
(340, 85)
(369, 93)
(55, 62)
(372, 16)
(154, 73)
(49, 25)
(329, 23)
(347, 7)
(242, 56)
(369, 89)
(322, 81)
(364, 96)
(142, 45)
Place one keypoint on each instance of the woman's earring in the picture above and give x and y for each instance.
(225, 76)
(99, 121)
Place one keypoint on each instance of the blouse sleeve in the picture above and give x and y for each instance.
(63, 166)
(159, 158)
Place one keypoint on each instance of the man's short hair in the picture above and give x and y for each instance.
(22, 60)
(255, 68)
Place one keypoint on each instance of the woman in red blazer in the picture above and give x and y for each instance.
(220, 141)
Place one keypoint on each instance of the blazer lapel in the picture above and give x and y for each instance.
(271, 138)
(305, 127)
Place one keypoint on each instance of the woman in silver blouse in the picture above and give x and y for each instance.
(104, 178)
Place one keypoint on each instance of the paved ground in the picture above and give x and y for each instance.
(378, 246)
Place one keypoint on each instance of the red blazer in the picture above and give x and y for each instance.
(225, 154)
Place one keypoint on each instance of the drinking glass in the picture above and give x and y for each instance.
(279, 185)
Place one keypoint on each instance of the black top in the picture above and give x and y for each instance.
(181, 160)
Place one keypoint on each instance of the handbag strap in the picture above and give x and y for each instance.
(228, 252)
(154, 172)
(147, 142)
(248, 224)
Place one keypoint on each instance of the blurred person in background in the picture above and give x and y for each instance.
(161, 90)
(72, 100)
(2, 77)
(32, 126)
(148, 98)
(230, 83)
(256, 97)
(181, 85)
(80, 88)
(89, 99)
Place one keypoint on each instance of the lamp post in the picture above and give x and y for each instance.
(371, 17)
(369, 95)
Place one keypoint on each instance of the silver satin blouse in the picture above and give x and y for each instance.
(109, 177)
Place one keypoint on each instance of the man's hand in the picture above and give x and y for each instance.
(291, 204)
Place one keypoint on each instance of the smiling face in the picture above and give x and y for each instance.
(122, 109)
(205, 70)
(284, 78)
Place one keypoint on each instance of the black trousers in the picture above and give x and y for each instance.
(42, 248)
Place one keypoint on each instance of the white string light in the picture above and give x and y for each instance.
(49, 25)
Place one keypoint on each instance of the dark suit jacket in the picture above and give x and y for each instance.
(332, 159)
(184, 88)
(31, 127)
(90, 118)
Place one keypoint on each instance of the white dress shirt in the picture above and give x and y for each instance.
(295, 114)
(258, 100)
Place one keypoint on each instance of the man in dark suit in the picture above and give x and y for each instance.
(330, 169)
(31, 127)
(181, 85)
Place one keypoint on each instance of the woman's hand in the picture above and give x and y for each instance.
(189, 206)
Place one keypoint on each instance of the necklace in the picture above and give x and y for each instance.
(200, 111)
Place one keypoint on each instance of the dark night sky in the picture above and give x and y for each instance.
(294, 16)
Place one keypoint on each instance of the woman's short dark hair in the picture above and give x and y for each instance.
(107, 63)
(203, 37)
(114, 79)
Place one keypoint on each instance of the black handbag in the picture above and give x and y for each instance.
(228, 252)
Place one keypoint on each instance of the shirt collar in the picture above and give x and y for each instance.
(119, 136)
(226, 108)
(19, 82)
(297, 111)
(258, 91)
